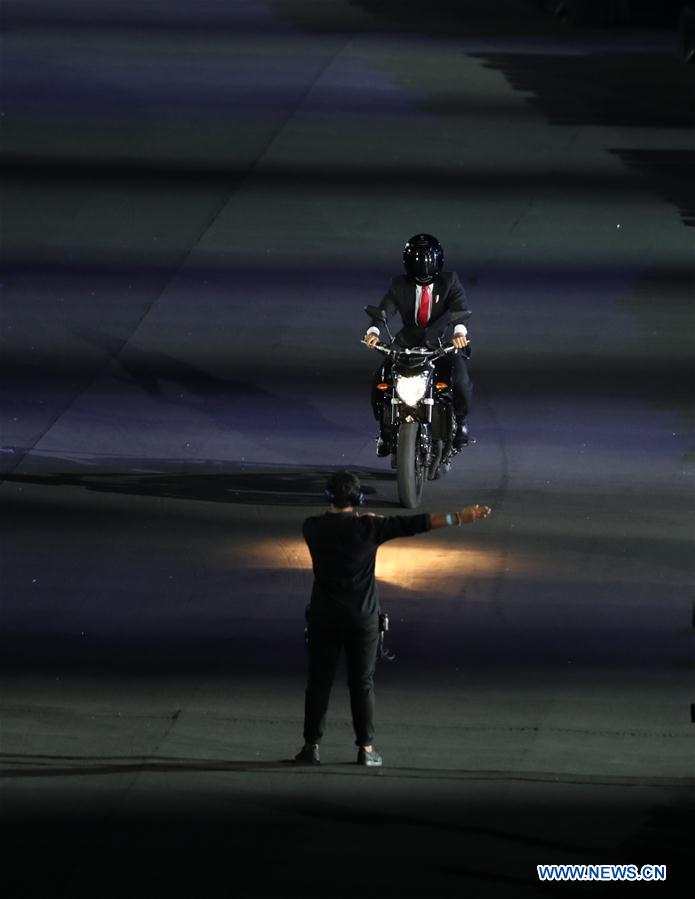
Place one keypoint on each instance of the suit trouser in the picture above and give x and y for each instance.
(360, 644)
(453, 368)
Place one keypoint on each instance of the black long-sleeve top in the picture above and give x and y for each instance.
(343, 549)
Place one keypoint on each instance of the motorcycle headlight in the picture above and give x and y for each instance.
(411, 389)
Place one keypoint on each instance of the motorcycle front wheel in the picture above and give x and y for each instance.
(411, 471)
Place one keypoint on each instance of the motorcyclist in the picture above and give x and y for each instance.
(426, 297)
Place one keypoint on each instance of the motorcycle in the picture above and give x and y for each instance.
(418, 422)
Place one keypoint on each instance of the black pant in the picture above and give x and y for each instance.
(325, 643)
(452, 368)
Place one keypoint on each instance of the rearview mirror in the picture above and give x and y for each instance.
(375, 312)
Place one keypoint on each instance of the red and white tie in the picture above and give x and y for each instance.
(423, 315)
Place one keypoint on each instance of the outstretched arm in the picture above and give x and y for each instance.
(456, 519)
(386, 528)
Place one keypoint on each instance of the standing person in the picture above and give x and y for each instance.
(426, 297)
(344, 608)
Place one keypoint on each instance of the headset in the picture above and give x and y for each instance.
(353, 494)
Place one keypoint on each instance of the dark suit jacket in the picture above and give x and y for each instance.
(448, 296)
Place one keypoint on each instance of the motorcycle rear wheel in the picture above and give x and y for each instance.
(411, 470)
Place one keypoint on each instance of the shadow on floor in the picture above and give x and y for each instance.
(223, 482)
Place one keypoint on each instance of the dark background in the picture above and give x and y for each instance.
(198, 201)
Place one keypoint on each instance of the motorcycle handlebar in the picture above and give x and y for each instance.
(387, 350)
(377, 346)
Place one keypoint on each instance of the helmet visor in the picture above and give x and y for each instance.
(421, 265)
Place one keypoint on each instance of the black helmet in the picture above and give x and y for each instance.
(423, 258)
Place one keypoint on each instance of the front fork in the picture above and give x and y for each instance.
(392, 418)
